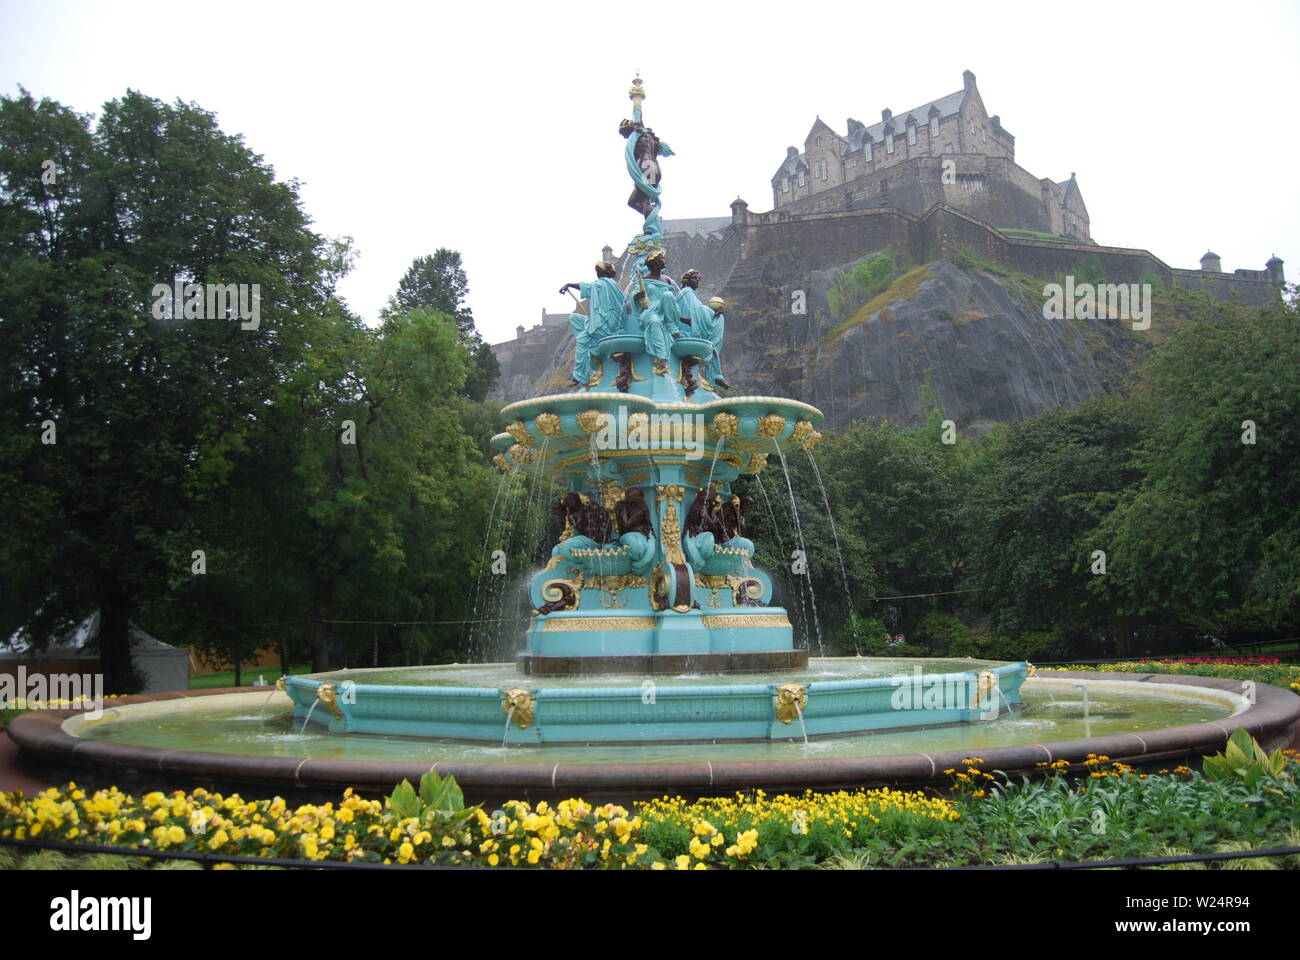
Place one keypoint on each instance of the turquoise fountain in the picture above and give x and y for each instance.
(652, 576)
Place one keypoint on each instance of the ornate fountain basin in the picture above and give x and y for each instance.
(642, 711)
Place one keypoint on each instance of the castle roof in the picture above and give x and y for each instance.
(945, 106)
(696, 225)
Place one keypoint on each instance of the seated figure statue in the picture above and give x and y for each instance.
(656, 300)
(732, 520)
(601, 316)
(702, 320)
(702, 528)
(635, 532)
(586, 526)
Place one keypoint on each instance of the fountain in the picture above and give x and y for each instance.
(652, 631)
(652, 574)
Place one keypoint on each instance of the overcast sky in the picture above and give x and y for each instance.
(492, 128)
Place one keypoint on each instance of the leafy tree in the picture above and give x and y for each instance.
(141, 406)
(438, 282)
(1212, 531)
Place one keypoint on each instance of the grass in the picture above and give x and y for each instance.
(903, 287)
(211, 681)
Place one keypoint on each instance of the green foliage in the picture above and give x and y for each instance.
(1245, 760)
(439, 806)
(870, 275)
(1089, 270)
(1212, 524)
(1149, 276)
(967, 259)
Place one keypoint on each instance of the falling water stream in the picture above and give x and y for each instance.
(844, 574)
(798, 530)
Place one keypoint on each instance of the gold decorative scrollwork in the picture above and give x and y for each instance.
(985, 684)
(771, 425)
(814, 438)
(727, 424)
(547, 424)
(501, 461)
(757, 463)
(724, 621)
(1030, 670)
(517, 704)
(520, 433)
(552, 589)
(329, 699)
(282, 685)
(599, 372)
(669, 494)
(791, 701)
(521, 454)
(802, 428)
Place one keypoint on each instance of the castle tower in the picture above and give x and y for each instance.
(1210, 262)
(1274, 268)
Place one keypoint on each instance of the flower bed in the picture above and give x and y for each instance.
(1259, 669)
(1112, 812)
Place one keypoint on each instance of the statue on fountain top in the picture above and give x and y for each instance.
(704, 321)
(602, 315)
(656, 299)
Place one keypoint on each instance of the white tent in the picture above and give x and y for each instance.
(161, 666)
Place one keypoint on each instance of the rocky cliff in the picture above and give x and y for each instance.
(978, 336)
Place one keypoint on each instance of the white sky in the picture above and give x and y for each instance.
(491, 128)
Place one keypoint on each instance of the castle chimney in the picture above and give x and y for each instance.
(1210, 262)
(791, 152)
(885, 115)
(967, 81)
(519, 330)
(1274, 268)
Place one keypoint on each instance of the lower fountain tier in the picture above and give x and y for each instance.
(641, 710)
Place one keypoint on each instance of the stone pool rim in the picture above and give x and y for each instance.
(45, 744)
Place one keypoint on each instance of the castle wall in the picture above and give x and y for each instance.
(822, 241)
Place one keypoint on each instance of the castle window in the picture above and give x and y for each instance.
(803, 180)
(785, 184)
(934, 126)
(947, 148)
(889, 143)
(851, 164)
(911, 134)
(866, 151)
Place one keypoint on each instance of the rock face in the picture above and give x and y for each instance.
(980, 339)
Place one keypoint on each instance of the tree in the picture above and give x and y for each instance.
(1212, 531)
(439, 283)
(142, 408)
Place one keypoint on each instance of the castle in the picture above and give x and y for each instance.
(900, 162)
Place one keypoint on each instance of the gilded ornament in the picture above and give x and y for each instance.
(520, 433)
(592, 420)
(802, 429)
(771, 425)
(329, 699)
(727, 424)
(517, 704)
(547, 424)
(791, 700)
